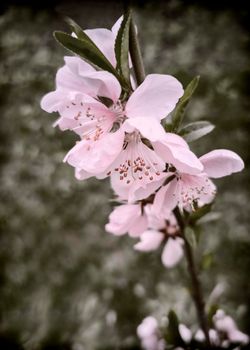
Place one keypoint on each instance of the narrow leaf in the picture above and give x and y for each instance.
(77, 30)
(199, 213)
(86, 49)
(122, 48)
(196, 130)
(173, 335)
(209, 217)
(183, 102)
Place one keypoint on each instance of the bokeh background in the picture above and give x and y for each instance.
(65, 282)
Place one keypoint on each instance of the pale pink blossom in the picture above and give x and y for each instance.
(172, 252)
(149, 240)
(213, 336)
(76, 95)
(143, 167)
(185, 333)
(185, 188)
(152, 239)
(144, 176)
(78, 76)
(225, 324)
(127, 218)
(221, 162)
(148, 332)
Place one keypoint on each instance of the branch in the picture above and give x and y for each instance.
(196, 284)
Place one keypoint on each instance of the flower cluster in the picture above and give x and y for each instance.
(121, 136)
(223, 333)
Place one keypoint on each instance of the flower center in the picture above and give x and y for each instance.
(195, 188)
(137, 161)
(118, 110)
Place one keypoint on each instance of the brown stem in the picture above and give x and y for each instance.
(196, 284)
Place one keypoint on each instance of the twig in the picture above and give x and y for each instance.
(196, 284)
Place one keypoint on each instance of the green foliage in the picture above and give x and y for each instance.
(199, 213)
(172, 334)
(86, 49)
(179, 112)
(122, 48)
(194, 131)
(78, 30)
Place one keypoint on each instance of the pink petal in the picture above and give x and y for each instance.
(237, 336)
(149, 128)
(88, 81)
(175, 139)
(95, 157)
(117, 26)
(82, 175)
(139, 226)
(86, 116)
(77, 66)
(221, 162)
(172, 252)
(166, 199)
(67, 80)
(141, 191)
(155, 221)
(148, 327)
(156, 97)
(105, 41)
(149, 240)
(52, 101)
(137, 172)
(178, 154)
(125, 218)
(185, 333)
(195, 188)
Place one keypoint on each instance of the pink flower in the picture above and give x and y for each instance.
(186, 188)
(225, 324)
(185, 333)
(148, 332)
(152, 238)
(86, 156)
(138, 170)
(172, 252)
(127, 218)
(76, 83)
(77, 76)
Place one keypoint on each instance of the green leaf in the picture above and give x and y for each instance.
(207, 261)
(196, 130)
(173, 335)
(199, 213)
(209, 217)
(183, 102)
(122, 48)
(86, 49)
(191, 237)
(77, 30)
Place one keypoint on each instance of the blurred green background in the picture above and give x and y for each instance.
(65, 282)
